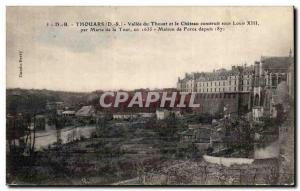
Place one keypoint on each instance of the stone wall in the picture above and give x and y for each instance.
(214, 103)
(270, 150)
(227, 161)
(203, 173)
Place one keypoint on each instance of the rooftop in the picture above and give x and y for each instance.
(276, 63)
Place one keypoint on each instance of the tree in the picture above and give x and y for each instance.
(239, 135)
(101, 124)
(59, 124)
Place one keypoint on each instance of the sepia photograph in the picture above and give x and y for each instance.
(150, 96)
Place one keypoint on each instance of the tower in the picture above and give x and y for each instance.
(256, 88)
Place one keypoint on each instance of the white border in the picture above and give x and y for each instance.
(5, 3)
(152, 2)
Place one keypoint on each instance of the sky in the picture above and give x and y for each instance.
(58, 58)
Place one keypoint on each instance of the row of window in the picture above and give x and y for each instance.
(244, 76)
(213, 90)
(221, 89)
(216, 96)
(197, 87)
(274, 81)
(206, 84)
(271, 80)
(230, 77)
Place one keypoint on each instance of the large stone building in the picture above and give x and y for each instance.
(240, 89)
(271, 75)
(238, 79)
(221, 91)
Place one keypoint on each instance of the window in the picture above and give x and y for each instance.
(274, 80)
(279, 78)
(256, 100)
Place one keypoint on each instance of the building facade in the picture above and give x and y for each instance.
(221, 91)
(242, 87)
(238, 79)
(271, 74)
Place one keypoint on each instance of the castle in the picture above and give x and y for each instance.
(243, 88)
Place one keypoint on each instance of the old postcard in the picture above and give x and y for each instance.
(150, 96)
